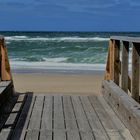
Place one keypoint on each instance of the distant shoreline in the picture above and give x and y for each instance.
(56, 71)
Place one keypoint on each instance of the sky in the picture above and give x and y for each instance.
(70, 15)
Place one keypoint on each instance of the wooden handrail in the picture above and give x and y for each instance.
(5, 72)
(117, 68)
(126, 38)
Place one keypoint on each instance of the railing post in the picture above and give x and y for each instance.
(110, 59)
(135, 71)
(124, 66)
(1, 44)
(5, 73)
(109, 64)
(116, 60)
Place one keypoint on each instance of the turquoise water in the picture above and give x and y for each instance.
(58, 49)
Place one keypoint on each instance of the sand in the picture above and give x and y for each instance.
(58, 83)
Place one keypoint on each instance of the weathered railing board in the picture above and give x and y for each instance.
(116, 60)
(124, 66)
(125, 107)
(126, 38)
(114, 92)
(118, 70)
(135, 71)
(5, 73)
(109, 66)
(6, 83)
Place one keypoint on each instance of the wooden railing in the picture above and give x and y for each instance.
(117, 67)
(5, 73)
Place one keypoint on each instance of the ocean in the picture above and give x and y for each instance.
(58, 51)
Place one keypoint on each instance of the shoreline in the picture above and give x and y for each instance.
(57, 71)
(58, 83)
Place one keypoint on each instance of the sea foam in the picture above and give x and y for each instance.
(58, 39)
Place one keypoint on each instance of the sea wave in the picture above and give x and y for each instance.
(55, 65)
(57, 39)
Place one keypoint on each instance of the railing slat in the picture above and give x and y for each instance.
(116, 60)
(124, 67)
(135, 71)
(111, 60)
(109, 64)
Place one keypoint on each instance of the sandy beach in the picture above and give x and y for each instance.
(58, 83)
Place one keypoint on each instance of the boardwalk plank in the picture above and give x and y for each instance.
(14, 113)
(32, 135)
(21, 126)
(97, 128)
(80, 115)
(35, 120)
(69, 114)
(45, 135)
(57, 117)
(58, 114)
(5, 134)
(73, 135)
(36, 114)
(120, 126)
(87, 136)
(59, 135)
(107, 122)
(46, 123)
(83, 124)
(7, 129)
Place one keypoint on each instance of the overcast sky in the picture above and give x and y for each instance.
(70, 15)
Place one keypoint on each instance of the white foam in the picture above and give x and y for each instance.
(55, 60)
(58, 39)
(10, 38)
(56, 65)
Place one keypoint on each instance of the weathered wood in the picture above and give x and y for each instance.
(35, 120)
(83, 124)
(22, 122)
(32, 134)
(5, 83)
(87, 136)
(124, 67)
(46, 123)
(59, 135)
(126, 38)
(116, 60)
(126, 108)
(70, 120)
(58, 114)
(45, 135)
(135, 71)
(109, 65)
(6, 109)
(124, 132)
(73, 135)
(97, 128)
(107, 122)
(129, 83)
(12, 119)
(5, 67)
(5, 134)
(3, 74)
(90, 117)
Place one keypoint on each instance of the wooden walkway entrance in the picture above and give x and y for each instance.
(113, 116)
(61, 117)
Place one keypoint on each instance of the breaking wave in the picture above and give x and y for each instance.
(57, 39)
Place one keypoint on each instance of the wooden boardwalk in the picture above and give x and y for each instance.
(60, 117)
